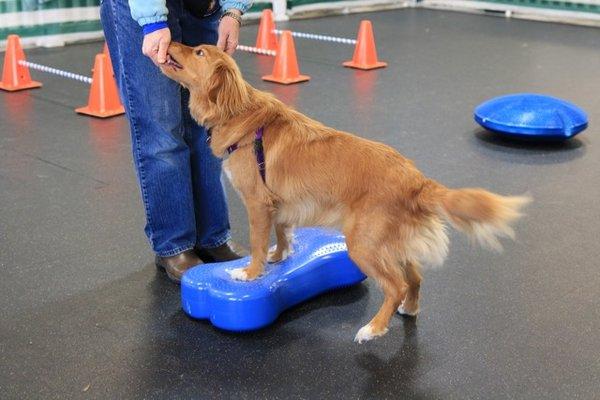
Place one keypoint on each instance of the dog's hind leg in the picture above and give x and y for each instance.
(390, 279)
(283, 233)
(259, 217)
(410, 305)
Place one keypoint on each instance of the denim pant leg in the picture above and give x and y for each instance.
(210, 203)
(153, 104)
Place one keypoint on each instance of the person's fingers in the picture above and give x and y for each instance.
(156, 44)
(146, 49)
(231, 46)
(222, 41)
(232, 39)
(150, 53)
(163, 46)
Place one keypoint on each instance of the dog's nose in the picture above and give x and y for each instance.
(175, 46)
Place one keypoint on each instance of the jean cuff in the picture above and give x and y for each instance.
(215, 242)
(175, 251)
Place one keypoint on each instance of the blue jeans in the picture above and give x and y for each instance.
(179, 177)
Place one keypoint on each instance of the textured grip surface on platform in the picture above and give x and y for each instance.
(533, 116)
(319, 263)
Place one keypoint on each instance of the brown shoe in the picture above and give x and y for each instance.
(226, 252)
(176, 265)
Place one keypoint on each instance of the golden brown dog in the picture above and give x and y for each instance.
(392, 216)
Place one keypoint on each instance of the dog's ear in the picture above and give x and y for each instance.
(226, 88)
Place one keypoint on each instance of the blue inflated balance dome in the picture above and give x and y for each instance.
(533, 116)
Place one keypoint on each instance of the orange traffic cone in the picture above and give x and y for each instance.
(365, 54)
(104, 98)
(14, 76)
(285, 69)
(266, 38)
(107, 54)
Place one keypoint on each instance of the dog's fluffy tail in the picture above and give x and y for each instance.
(482, 215)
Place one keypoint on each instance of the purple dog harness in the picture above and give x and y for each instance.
(259, 150)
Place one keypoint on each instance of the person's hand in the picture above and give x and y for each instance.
(155, 45)
(229, 33)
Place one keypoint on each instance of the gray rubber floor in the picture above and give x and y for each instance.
(84, 313)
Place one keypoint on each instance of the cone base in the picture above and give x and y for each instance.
(288, 81)
(11, 88)
(100, 114)
(366, 67)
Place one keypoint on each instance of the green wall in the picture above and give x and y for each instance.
(551, 4)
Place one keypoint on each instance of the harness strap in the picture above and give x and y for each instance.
(259, 150)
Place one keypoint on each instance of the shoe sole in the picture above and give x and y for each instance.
(206, 259)
(169, 275)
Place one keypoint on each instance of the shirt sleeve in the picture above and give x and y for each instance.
(242, 5)
(149, 11)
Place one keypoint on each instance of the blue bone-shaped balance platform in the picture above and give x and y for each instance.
(319, 263)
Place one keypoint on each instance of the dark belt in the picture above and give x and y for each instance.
(201, 8)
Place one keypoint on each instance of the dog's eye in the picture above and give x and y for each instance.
(199, 53)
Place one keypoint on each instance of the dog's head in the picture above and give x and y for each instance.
(210, 74)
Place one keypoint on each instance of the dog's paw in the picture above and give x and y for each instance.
(367, 333)
(275, 256)
(407, 313)
(239, 274)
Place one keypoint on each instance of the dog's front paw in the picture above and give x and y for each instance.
(239, 274)
(246, 274)
(367, 333)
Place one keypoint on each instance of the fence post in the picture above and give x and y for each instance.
(280, 10)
